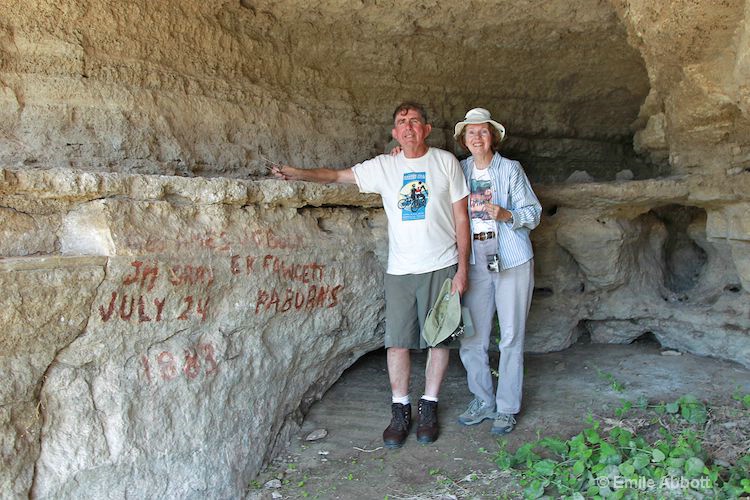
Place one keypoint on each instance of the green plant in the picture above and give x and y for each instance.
(688, 407)
(616, 385)
(618, 463)
(742, 398)
(641, 403)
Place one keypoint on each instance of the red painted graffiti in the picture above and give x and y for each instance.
(261, 238)
(238, 265)
(194, 361)
(126, 305)
(144, 309)
(201, 308)
(314, 297)
(306, 273)
(190, 275)
(217, 241)
(144, 275)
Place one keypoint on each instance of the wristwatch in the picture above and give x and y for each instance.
(510, 221)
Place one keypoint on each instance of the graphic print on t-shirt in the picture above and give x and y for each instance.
(412, 198)
(481, 193)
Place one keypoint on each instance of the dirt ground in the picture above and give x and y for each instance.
(560, 390)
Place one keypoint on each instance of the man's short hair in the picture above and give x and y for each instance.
(409, 105)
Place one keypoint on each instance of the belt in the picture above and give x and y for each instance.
(484, 236)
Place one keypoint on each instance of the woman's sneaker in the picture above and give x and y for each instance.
(477, 412)
(503, 424)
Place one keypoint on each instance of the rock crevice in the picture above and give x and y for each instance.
(176, 311)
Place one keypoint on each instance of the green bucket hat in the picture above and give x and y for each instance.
(444, 319)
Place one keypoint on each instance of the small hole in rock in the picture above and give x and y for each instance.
(647, 338)
(543, 292)
(582, 333)
(684, 259)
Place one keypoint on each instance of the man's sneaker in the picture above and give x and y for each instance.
(503, 423)
(395, 434)
(477, 412)
(427, 428)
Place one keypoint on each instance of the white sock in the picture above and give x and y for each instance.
(404, 400)
(434, 399)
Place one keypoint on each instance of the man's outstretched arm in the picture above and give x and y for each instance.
(321, 175)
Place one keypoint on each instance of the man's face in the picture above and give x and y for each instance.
(410, 130)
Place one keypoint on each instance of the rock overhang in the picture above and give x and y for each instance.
(158, 118)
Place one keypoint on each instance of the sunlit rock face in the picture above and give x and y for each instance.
(169, 339)
(168, 314)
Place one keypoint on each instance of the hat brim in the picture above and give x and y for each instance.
(444, 317)
(460, 126)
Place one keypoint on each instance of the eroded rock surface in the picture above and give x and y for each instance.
(180, 332)
(191, 323)
(621, 260)
(167, 315)
(201, 88)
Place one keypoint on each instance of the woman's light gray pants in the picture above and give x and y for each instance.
(509, 293)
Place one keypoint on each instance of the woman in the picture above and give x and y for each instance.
(503, 210)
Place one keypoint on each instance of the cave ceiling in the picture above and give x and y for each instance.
(202, 88)
(560, 75)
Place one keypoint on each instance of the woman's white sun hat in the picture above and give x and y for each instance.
(476, 116)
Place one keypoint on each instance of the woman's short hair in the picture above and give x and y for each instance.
(494, 145)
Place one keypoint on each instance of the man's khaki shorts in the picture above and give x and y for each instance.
(408, 298)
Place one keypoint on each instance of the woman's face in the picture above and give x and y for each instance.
(478, 139)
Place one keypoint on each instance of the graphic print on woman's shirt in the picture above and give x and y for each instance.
(481, 193)
(413, 196)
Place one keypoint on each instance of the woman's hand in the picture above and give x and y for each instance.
(396, 150)
(496, 212)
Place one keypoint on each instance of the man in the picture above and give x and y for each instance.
(426, 244)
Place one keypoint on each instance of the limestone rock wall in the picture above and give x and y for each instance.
(206, 88)
(697, 54)
(169, 313)
(169, 333)
(165, 335)
(663, 257)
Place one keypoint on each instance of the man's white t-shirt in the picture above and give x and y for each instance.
(418, 196)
